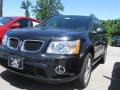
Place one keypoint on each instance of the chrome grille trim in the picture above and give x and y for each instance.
(8, 43)
(23, 46)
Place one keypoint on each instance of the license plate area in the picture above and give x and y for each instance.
(15, 62)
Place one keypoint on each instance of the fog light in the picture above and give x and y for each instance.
(60, 69)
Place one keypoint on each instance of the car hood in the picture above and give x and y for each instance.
(45, 33)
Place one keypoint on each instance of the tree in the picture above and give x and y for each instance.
(47, 8)
(1, 7)
(26, 6)
(112, 27)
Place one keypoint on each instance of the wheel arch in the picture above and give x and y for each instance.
(89, 49)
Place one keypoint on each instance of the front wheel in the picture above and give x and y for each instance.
(85, 73)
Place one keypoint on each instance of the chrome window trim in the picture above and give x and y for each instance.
(24, 50)
(8, 43)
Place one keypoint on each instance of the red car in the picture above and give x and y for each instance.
(7, 23)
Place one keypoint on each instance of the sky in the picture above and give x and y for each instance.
(103, 9)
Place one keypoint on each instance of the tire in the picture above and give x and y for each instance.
(103, 59)
(85, 73)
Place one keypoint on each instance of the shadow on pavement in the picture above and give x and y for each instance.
(29, 84)
(115, 80)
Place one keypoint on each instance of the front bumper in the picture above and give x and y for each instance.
(42, 67)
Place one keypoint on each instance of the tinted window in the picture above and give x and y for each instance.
(97, 24)
(35, 23)
(32, 23)
(5, 20)
(27, 23)
(72, 22)
(117, 37)
(23, 23)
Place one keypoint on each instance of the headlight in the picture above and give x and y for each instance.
(64, 47)
(4, 41)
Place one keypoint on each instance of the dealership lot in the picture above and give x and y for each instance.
(104, 77)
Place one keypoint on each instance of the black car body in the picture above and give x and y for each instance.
(116, 41)
(62, 49)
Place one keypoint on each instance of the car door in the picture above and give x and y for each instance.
(103, 39)
(98, 39)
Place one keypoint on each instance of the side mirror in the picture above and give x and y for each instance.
(99, 31)
(15, 25)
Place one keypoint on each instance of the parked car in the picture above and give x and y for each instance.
(61, 49)
(8, 23)
(116, 40)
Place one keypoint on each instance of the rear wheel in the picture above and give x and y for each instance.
(85, 72)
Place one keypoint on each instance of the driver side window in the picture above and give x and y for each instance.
(95, 25)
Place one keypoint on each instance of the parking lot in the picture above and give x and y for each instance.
(104, 77)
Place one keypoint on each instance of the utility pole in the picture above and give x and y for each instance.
(1, 8)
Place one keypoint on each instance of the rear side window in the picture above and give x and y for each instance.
(23, 23)
(35, 23)
(27, 23)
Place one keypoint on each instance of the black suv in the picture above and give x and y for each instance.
(62, 48)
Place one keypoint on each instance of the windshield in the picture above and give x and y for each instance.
(5, 20)
(70, 22)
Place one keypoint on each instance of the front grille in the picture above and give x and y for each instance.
(27, 45)
(32, 45)
(13, 43)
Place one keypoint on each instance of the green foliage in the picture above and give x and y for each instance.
(47, 8)
(112, 27)
(26, 5)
